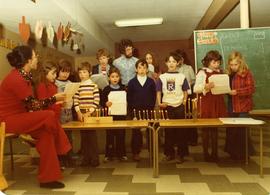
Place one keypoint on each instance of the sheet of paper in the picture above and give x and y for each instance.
(245, 121)
(221, 82)
(70, 90)
(101, 80)
(119, 102)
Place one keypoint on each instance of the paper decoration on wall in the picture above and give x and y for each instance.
(44, 38)
(50, 32)
(67, 32)
(38, 29)
(1, 31)
(60, 32)
(7, 43)
(55, 41)
(24, 30)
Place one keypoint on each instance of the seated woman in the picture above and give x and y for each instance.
(23, 114)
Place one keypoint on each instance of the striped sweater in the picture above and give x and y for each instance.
(87, 96)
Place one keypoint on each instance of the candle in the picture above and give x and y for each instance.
(166, 113)
(134, 114)
(185, 108)
(140, 117)
(200, 106)
(151, 114)
(189, 107)
(147, 114)
(155, 115)
(143, 114)
(162, 114)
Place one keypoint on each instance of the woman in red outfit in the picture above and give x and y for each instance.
(239, 104)
(23, 113)
(213, 106)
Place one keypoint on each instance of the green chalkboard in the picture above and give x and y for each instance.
(253, 43)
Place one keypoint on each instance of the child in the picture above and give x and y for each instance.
(141, 96)
(46, 85)
(212, 106)
(86, 101)
(64, 70)
(118, 134)
(173, 85)
(152, 66)
(46, 88)
(240, 103)
(188, 71)
(103, 57)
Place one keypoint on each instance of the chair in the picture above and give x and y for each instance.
(3, 182)
(10, 137)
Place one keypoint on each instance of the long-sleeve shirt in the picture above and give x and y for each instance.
(126, 67)
(104, 98)
(87, 96)
(16, 96)
(245, 87)
(212, 106)
(188, 71)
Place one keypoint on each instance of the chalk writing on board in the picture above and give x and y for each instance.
(229, 36)
(259, 35)
(207, 38)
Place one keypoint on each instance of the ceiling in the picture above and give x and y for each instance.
(95, 18)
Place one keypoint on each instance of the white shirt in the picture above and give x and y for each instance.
(188, 71)
(200, 82)
(142, 79)
(172, 84)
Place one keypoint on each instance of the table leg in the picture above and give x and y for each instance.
(151, 147)
(247, 133)
(261, 152)
(156, 169)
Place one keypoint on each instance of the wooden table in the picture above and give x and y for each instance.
(125, 124)
(262, 113)
(199, 123)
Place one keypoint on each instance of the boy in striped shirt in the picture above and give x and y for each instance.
(86, 100)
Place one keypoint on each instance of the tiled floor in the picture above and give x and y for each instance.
(193, 177)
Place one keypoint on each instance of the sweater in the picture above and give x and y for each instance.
(141, 97)
(87, 96)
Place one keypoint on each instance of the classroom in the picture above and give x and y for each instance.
(137, 97)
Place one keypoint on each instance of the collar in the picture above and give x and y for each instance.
(206, 69)
(172, 72)
(87, 81)
(27, 76)
(117, 86)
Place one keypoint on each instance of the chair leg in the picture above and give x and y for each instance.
(11, 154)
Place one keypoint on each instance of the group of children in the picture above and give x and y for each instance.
(147, 89)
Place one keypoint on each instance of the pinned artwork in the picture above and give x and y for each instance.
(24, 30)
(38, 29)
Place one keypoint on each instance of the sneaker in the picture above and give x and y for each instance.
(107, 159)
(168, 158)
(179, 160)
(123, 158)
(52, 185)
